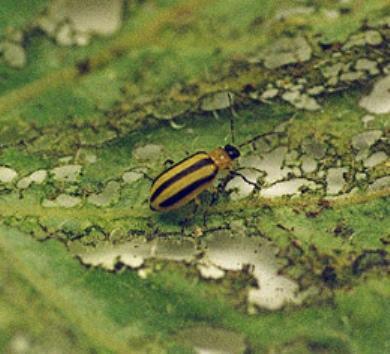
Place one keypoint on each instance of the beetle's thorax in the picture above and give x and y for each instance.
(221, 158)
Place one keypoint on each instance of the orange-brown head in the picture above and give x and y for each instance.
(223, 157)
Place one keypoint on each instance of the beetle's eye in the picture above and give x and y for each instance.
(232, 151)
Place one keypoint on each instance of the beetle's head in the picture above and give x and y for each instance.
(232, 151)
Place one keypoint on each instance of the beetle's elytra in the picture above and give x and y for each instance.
(185, 180)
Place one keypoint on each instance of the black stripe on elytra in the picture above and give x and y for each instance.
(178, 163)
(190, 169)
(187, 190)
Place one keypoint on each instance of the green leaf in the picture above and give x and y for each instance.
(288, 253)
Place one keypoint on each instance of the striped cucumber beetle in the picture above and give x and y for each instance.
(185, 180)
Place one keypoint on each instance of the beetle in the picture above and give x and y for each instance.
(185, 180)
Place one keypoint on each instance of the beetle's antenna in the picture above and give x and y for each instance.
(257, 137)
(232, 127)
(237, 173)
(263, 135)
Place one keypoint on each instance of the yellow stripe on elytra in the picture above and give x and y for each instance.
(167, 175)
(187, 198)
(186, 181)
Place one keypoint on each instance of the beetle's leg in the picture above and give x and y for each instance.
(168, 163)
(214, 195)
(197, 206)
(191, 214)
(184, 223)
(149, 178)
(198, 202)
